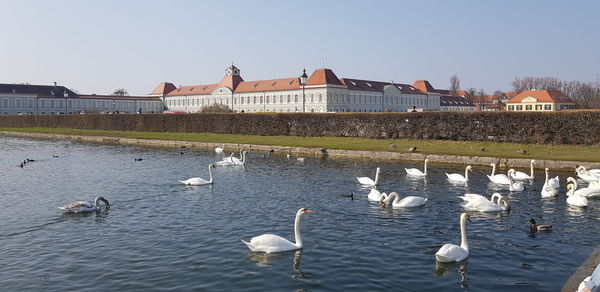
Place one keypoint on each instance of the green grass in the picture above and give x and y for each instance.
(504, 150)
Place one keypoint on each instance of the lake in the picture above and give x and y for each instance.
(160, 235)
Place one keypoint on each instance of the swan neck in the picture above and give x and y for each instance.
(297, 236)
(467, 174)
(97, 202)
(546, 181)
(425, 167)
(244, 158)
(531, 170)
(493, 169)
(377, 176)
(390, 196)
(210, 178)
(463, 233)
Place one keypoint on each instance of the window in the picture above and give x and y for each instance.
(320, 97)
(548, 107)
(519, 107)
(267, 99)
(51, 103)
(528, 107)
(18, 103)
(31, 102)
(254, 99)
(538, 107)
(289, 98)
(296, 98)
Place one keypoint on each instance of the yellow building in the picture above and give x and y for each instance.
(540, 100)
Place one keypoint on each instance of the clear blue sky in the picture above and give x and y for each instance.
(99, 46)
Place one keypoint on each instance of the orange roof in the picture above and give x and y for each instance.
(541, 96)
(323, 76)
(163, 89)
(231, 81)
(423, 85)
(269, 85)
(510, 94)
(193, 90)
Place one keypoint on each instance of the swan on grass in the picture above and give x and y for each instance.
(457, 177)
(519, 175)
(376, 196)
(198, 181)
(516, 186)
(269, 243)
(585, 192)
(475, 202)
(417, 172)
(85, 206)
(548, 191)
(367, 181)
(501, 179)
(406, 202)
(452, 252)
(573, 198)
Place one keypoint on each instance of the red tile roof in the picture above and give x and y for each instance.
(231, 81)
(269, 85)
(163, 89)
(423, 85)
(541, 96)
(323, 76)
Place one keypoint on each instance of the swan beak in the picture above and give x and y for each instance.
(307, 210)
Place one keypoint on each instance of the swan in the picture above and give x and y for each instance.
(269, 243)
(367, 181)
(197, 181)
(454, 253)
(459, 177)
(573, 198)
(239, 160)
(407, 202)
(548, 190)
(587, 175)
(416, 172)
(376, 196)
(85, 206)
(585, 192)
(234, 161)
(595, 184)
(220, 150)
(535, 227)
(514, 186)
(476, 202)
(554, 182)
(595, 172)
(498, 178)
(519, 175)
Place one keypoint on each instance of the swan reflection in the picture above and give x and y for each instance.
(269, 259)
(442, 269)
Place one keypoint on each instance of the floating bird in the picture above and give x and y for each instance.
(376, 196)
(269, 243)
(454, 253)
(457, 177)
(407, 202)
(535, 227)
(476, 202)
(548, 190)
(350, 195)
(30, 160)
(416, 172)
(21, 165)
(519, 175)
(54, 156)
(498, 178)
(573, 198)
(220, 150)
(180, 152)
(516, 186)
(367, 181)
(84, 206)
(138, 159)
(197, 181)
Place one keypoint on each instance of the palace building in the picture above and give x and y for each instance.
(322, 91)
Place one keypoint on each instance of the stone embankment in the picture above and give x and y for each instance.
(473, 160)
(583, 271)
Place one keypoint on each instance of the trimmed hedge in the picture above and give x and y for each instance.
(532, 127)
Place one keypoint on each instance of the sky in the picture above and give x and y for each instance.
(97, 46)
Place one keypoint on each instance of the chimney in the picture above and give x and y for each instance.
(54, 83)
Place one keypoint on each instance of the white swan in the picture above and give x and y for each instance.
(587, 175)
(475, 202)
(407, 202)
(376, 196)
(454, 253)
(234, 161)
(501, 179)
(84, 206)
(198, 181)
(272, 243)
(519, 175)
(595, 172)
(516, 186)
(548, 191)
(416, 172)
(459, 177)
(573, 198)
(554, 182)
(220, 150)
(585, 192)
(367, 181)
(595, 184)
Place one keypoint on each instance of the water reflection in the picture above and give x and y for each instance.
(270, 259)
(442, 269)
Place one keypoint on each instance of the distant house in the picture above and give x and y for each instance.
(455, 103)
(540, 100)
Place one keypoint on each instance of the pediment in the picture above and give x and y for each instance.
(221, 90)
(529, 99)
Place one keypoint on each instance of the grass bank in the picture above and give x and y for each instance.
(439, 147)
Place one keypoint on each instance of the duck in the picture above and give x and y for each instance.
(417, 172)
(376, 196)
(548, 191)
(457, 177)
(516, 186)
(573, 198)
(407, 202)
(519, 175)
(269, 243)
(455, 253)
(198, 181)
(501, 179)
(85, 206)
(476, 202)
(533, 227)
(367, 181)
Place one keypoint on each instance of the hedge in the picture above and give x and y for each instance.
(579, 127)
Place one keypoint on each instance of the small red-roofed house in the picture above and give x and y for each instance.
(540, 100)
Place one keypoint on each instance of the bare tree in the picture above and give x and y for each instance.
(120, 92)
(585, 94)
(454, 85)
(470, 94)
